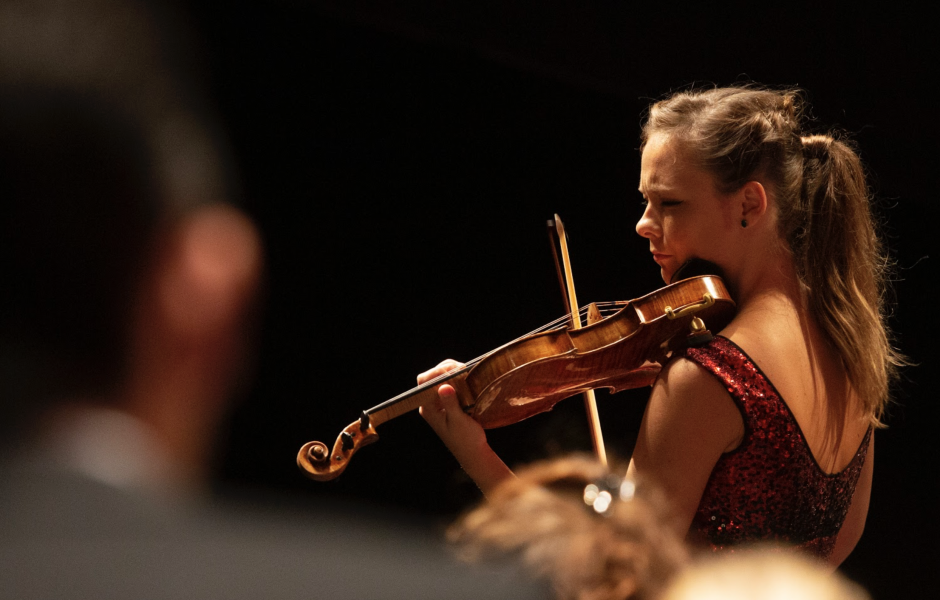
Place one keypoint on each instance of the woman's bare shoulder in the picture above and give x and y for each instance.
(686, 393)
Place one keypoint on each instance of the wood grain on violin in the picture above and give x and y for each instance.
(531, 374)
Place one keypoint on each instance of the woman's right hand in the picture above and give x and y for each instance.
(462, 435)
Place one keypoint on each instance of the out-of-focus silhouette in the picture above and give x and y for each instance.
(129, 297)
(762, 573)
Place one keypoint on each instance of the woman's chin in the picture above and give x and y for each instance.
(667, 274)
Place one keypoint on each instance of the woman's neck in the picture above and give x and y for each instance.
(767, 281)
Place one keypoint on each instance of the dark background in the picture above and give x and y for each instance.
(402, 161)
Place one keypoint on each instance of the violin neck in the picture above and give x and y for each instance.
(417, 396)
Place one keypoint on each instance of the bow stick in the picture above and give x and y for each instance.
(590, 403)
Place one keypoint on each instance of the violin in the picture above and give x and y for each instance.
(529, 375)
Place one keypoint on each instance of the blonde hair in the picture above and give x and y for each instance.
(740, 134)
(762, 574)
(541, 518)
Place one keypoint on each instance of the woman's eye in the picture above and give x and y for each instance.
(659, 204)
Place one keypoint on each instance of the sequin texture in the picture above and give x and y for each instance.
(769, 489)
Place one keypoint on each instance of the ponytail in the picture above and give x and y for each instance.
(842, 265)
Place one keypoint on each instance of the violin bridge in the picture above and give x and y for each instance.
(593, 314)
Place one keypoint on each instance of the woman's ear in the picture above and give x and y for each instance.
(753, 198)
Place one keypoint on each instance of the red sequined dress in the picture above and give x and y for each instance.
(770, 488)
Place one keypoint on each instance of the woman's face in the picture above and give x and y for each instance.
(685, 216)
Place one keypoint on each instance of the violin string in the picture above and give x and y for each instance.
(605, 309)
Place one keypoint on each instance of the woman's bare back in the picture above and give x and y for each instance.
(808, 374)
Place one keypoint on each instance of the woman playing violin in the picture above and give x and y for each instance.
(766, 432)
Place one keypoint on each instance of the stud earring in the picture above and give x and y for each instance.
(743, 222)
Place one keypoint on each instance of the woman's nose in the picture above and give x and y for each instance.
(647, 226)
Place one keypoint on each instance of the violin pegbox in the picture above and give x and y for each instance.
(318, 463)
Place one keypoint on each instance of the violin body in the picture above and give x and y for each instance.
(530, 375)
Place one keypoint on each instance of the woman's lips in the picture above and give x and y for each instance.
(659, 257)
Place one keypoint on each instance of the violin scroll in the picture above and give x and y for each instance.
(317, 463)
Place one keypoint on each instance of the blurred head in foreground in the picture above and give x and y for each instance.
(128, 279)
(762, 574)
(591, 534)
